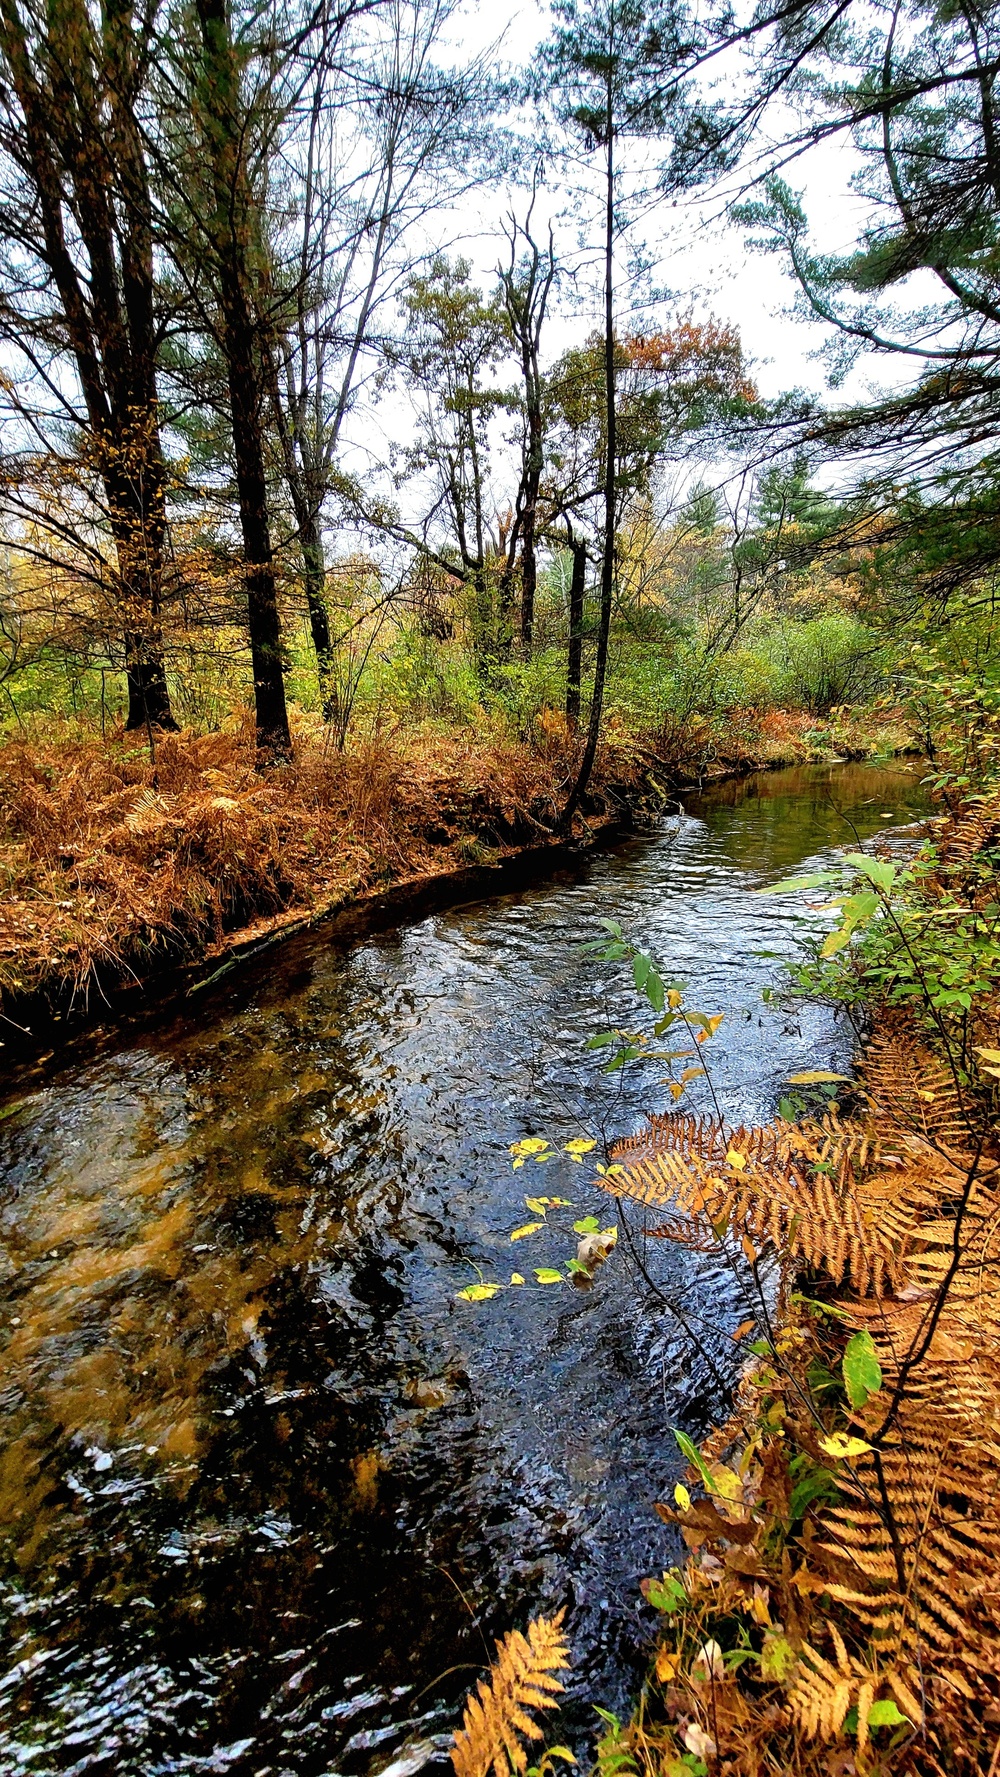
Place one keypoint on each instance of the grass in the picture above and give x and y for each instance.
(115, 865)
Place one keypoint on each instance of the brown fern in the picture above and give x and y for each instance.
(785, 1187)
(519, 1679)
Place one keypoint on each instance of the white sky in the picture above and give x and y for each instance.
(703, 260)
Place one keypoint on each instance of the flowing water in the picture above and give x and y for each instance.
(267, 1488)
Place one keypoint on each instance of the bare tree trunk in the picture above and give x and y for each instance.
(90, 163)
(232, 230)
(608, 553)
(574, 661)
(246, 397)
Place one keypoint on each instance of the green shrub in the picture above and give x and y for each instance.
(828, 661)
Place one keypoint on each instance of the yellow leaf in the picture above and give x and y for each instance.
(479, 1292)
(736, 1160)
(990, 1054)
(676, 1091)
(579, 1145)
(537, 1205)
(528, 1228)
(682, 1496)
(667, 1667)
(815, 1077)
(749, 1250)
(610, 1235)
(674, 999)
(532, 1144)
(838, 1444)
(724, 1482)
(515, 1277)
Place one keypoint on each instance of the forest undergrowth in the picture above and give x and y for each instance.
(837, 1610)
(119, 860)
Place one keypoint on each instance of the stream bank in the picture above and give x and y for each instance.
(130, 878)
(269, 1490)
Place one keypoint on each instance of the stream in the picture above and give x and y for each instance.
(268, 1489)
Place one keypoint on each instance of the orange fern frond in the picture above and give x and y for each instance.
(771, 1186)
(519, 1679)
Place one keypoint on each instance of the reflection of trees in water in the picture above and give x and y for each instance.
(819, 804)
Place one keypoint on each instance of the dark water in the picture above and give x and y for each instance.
(267, 1489)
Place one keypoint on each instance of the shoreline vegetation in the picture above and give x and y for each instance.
(832, 1610)
(125, 866)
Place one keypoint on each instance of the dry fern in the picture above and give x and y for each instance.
(789, 1188)
(911, 1090)
(519, 1679)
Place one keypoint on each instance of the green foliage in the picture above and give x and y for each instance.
(862, 1370)
(826, 662)
(925, 937)
(952, 688)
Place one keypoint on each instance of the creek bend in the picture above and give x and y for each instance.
(267, 1489)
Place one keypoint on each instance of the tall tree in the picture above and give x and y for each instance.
(222, 140)
(76, 205)
(613, 68)
(386, 136)
(526, 288)
(454, 342)
(915, 87)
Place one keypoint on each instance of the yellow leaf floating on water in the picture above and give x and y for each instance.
(480, 1292)
(545, 1274)
(579, 1146)
(515, 1277)
(526, 1229)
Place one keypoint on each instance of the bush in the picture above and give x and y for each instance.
(828, 661)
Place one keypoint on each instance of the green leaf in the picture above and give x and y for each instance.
(545, 1274)
(602, 1039)
(667, 1594)
(589, 1225)
(862, 1370)
(641, 966)
(792, 883)
(655, 991)
(885, 1714)
(778, 1658)
(835, 941)
(877, 870)
(694, 1457)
